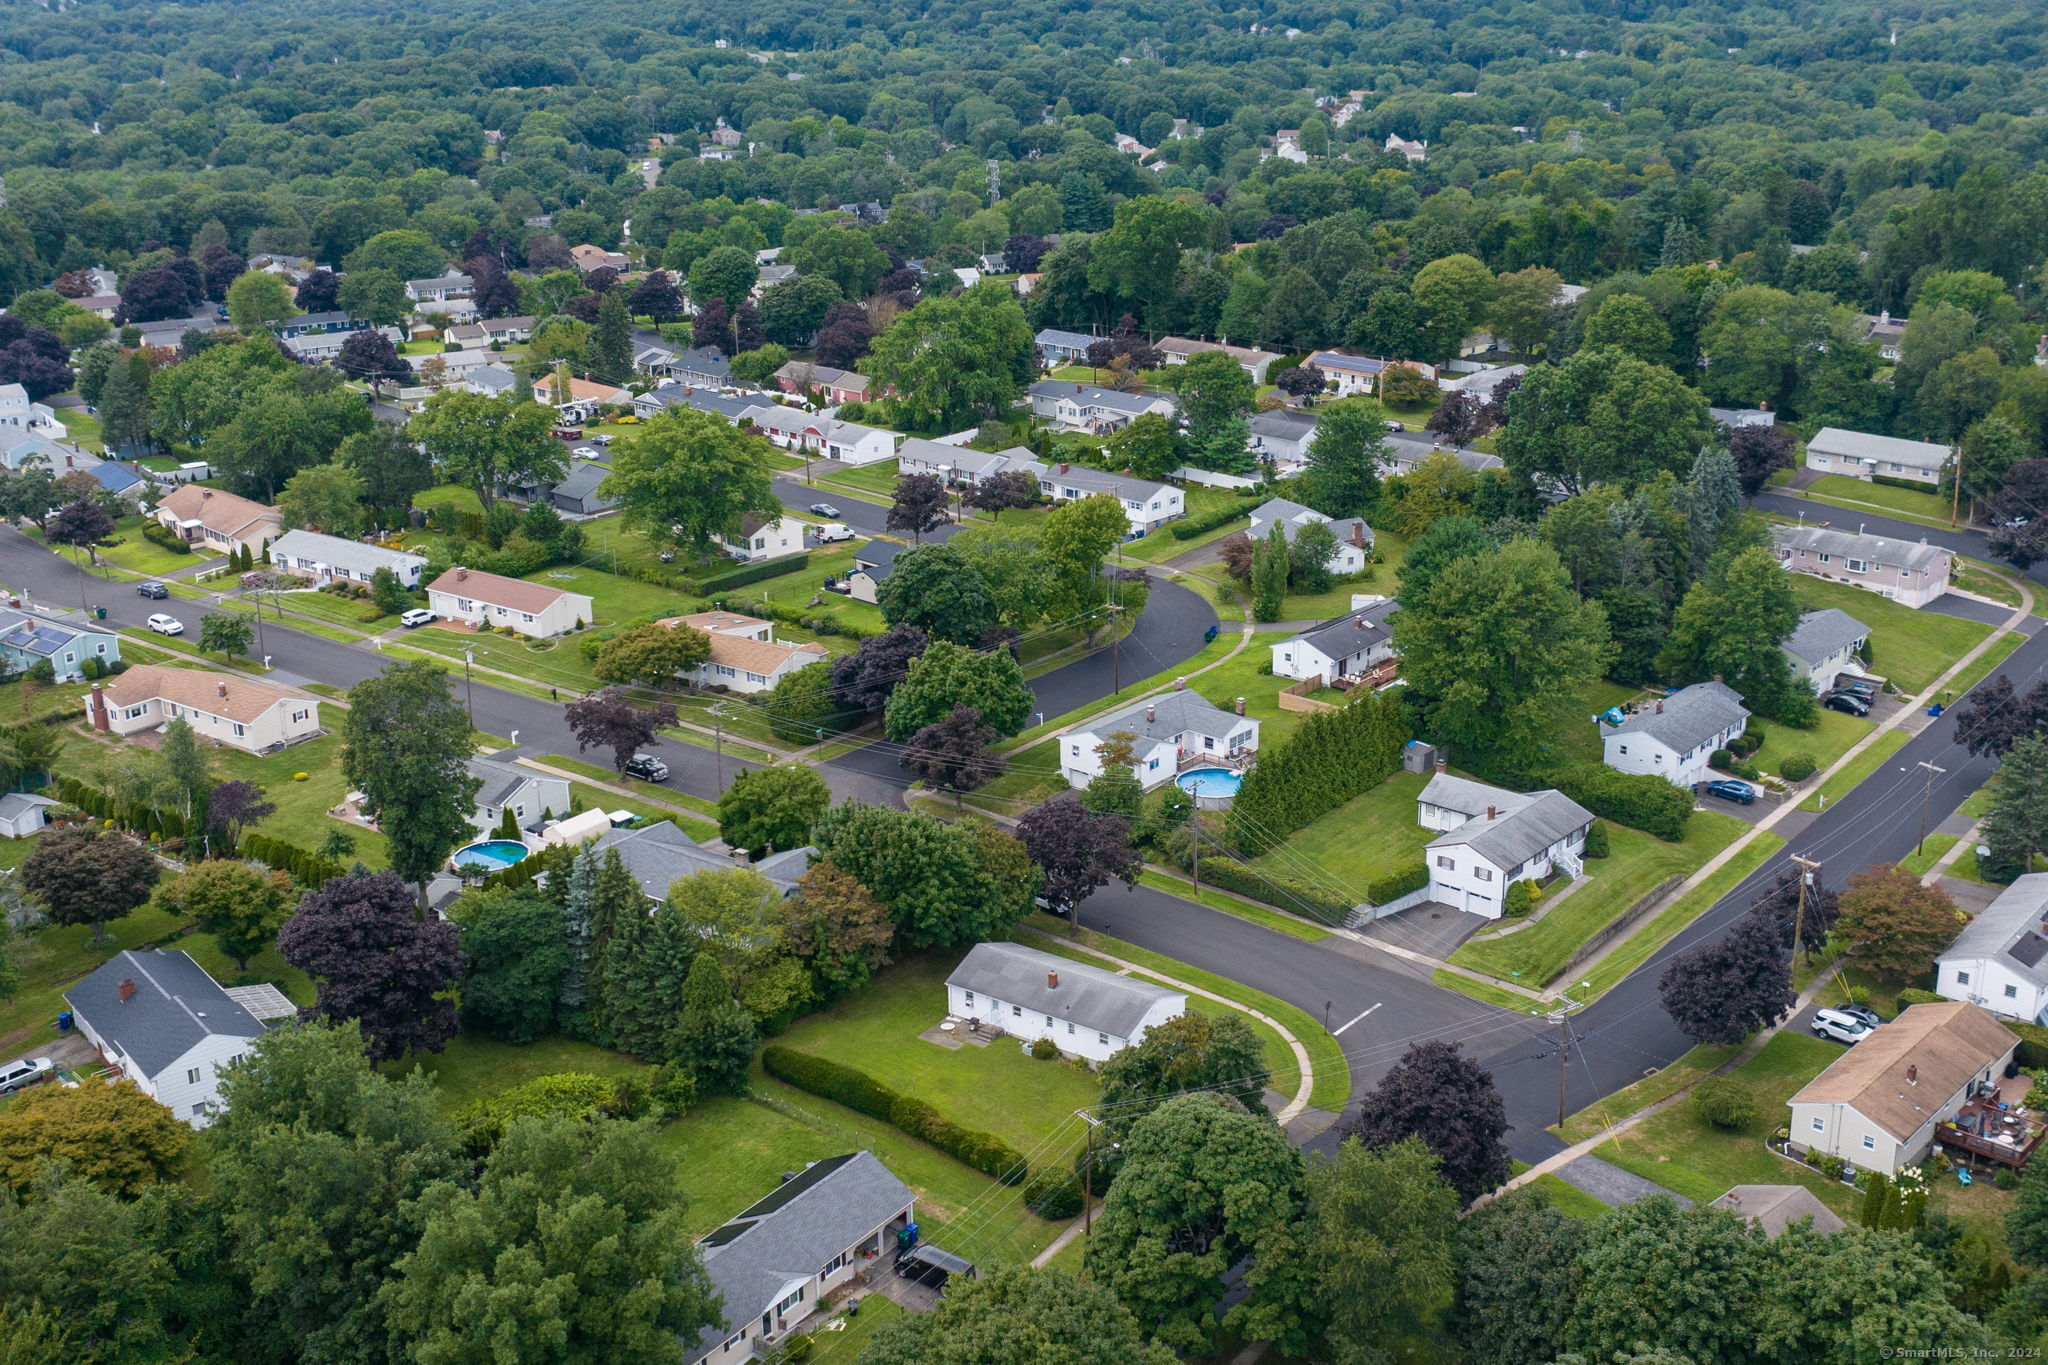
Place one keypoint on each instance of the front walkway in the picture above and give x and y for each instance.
(1611, 1185)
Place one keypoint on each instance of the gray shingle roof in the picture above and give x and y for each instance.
(1282, 424)
(1688, 717)
(2012, 930)
(703, 400)
(1094, 481)
(1882, 550)
(580, 484)
(1170, 714)
(339, 553)
(793, 1232)
(1087, 395)
(660, 855)
(1053, 336)
(175, 1007)
(1088, 996)
(15, 804)
(1861, 445)
(878, 557)
(1522, 826)
(496, 378)
(500, 780)
(1352, 632)
(1292, 516)
(1822, 634)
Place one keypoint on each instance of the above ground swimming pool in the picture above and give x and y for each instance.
(1212, 788)
(491, 853)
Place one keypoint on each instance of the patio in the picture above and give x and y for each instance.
(1989, 1128)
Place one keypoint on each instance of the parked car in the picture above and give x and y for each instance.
(1859, 689)
(568, 433)
(165, 625)
(25, 1071)
(829, 531)
(418, 616)
(647, 768)
(585, 452)
(824, 509)
(603, 438)
(1842, 1027)
(1863, 1014)
(1728, 789)
(1393, 425)
(153, 590)
(1848, 703)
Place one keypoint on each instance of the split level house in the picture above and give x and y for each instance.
(828, 438)
(335, 559)
(1354, 538)
(1912, 572)
(1675, 737)
(1147, 505)
(762, 538)
(1884, 1103)
(216, 520)
(491, 600)
(1860, 455)
(1086, 1011)
(1083, 407)
(532, 796)
(157, 1019)
(226, 708)
(27, 639)
(1824, 645)
(1168, 732)
(745, 655)
(1281, 439)
(2000, 959)
(1057, 348)
(1491, 837)
(1349, 646)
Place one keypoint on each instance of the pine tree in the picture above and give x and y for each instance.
(1916, 1214)
(619, 926)
(124, 410)
(1894, 1216)
(2016, 827)
(579, 895)
(508, 826)
(715, 1037)
(1679, 246)
(1874, 1189)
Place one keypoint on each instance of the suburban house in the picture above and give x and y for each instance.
(1675, 737)
(1878, 1105)
(702, 365)
(326, 345)
(1493, 837)
(813, 380)
(468, 335)
(775, 1261)
(871, 564)
(217, 519)
(1083, 407)
(1735, 418)
(1885, 332)
(763, 538)
(1349, 646)
(2000, 959)
(1775, 1208)
(581, 398)
(312, 324)
(1354, 538)
(1180, 350)
(1414, 151)
(1350, 374)
(1057, 348)
(27, 639)
(1148, 505)
(654, 360)
(160, 1021)
(492, 601)
(227, 708)
(1085, 1010)
(452, 285)
(672, 395)
(745, 655)
(1824, 645)
(827, 437)
(1912, 572)
(492, 381)
(1404, 455)
(1169, 731)
(446, 367)
(660, 855)
(1281, 438)
(589, 258)
(326, 559)
(23, 814)
(770, 276)
(17, 410)
(508, 331)
(577, 493)
(1860, 455)
(531, 796)
(957, 464)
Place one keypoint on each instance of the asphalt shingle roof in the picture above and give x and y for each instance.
(1087, 996)
(1166, 715)
(339, 553)
(1522, 826)
(1821, 634)
(2012, 930)
(1688, 717)
(1353, 631)
(175, 1007)
(1878, 550)
(660, 855)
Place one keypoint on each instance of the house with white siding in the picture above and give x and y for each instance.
(763, 538)
(1860, 455)
(329, 559)
(1352, 374)
(1083, 407)
(1674, 737)
(491, 600)
(226, 708)
(1028, 994)
(532, 796)
(1344, 647)
(1492, 837)
(745, 655)
(1169, 731)
(1824, 645)
(1148, 505)
(1281, 439)
(2000, 959)
(1354, 538)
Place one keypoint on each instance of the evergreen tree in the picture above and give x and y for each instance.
(2016, 827)
(1876, 1184)
(610, 348)
(1269, 575)
(124, 411)
(715, 1037)
(579, 898)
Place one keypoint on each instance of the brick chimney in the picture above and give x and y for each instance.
(1358, 623)
(1717, 677)
(96, 709)
(1052, 981)
(1240, 706)
(1443, 765)
(1492, 811)
(126, 988)
(1151, 713)
(460, 573)
(220, 689)
(205, 493)
(1912, 1074)
(1660, 706)
(1064, 467)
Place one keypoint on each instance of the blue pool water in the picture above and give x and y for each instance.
(492, 853)
(1208, 781)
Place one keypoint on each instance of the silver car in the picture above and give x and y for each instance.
(25, 1071)
(1843, 1028)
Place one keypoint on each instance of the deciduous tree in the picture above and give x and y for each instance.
(518, 955)
(864, 679)
(687, 476)
(113, 1135)
(944, 884)
(1378, 1240)
(1895, 926)
(1449, 1103)
(482, 443)
(939, 590)
(1004, 490)
(1079, 851)
(606, 720)
(85, 875)
(1721, 992)
(324, 497)
(1344, 458)
(954, 359)
(241, 907)
(1602, 417)
(406, 745)
(1759, 452)
(772, 808)
(1017, 1316)
(921, 505)
(1517, 1277)
(258, 299)
(369, 355)
(651, 656)
(226, 633)
(946, 674)
(836, 928)
(1732, 625)
(954, 752)
(373, 962)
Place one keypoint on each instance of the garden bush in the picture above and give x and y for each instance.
(1333, 757)
(1913, 995)
(753, 573)
(1188, 527)
(1722, 759)
(863, 1094)
(1723, 1102)
(1797, 767)
(2033, 1051)
(1295, 897)
(1045, 1049)
(1596, 841)
(572, 1094)
(1746, 743)
(1053, 1193)
(1516, 902)
(1639, 800)
(1393, 885)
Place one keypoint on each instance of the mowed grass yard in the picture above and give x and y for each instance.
(1367, 837)
(1909, 501)
(1911, 648)
(1637, 862)
(301, 817)
(1826, 741)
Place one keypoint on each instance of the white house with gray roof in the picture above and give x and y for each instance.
(1824, 645)
(1860, 455)
(1912, 572)
(774, 1261)
(2000, 959)
(1148, 505)
(329, 559)
(660, 855)
(1083, 407)
(1281, 438)
(1085, 1010)
(957, 464)
(159, 1020)
(531, 795)
(1344, 647)
(1057, 348)
(1169, 730)
(1493, 837)
(1354, 537)
(1673, 738)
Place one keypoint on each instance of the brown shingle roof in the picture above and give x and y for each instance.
(214, 509)
(499, 591)
(758, 656)
(219, 694)
(710, 622)
(1948, 1044)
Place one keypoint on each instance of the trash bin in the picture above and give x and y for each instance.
(99, 613)
(64, 1022)
(1935, 710)
(1209, 635)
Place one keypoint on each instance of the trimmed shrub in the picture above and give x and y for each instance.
(2033, 1038)
(574, 1094)
(1045, 1049)
(1053, 1194)
(1333, 756)
(1393, 885)
(1722, 759)
(1913, 995)
(1746, 743)
(1797, 767)
(1638, 800)
(1188, 527)
(1723, 1102)
(1295, 897)
(1516, 902)
(753, 573)
(1596, 841)
(863, 1094)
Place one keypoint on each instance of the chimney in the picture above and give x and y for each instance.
(460, 573)
(1064, 467)
(1912, 1074)
(1358, 623)
(1660, 707)
(1492, 811)
(220, 689)
(1151, 713)
(1052, 981)
(205, 493)
(1443, 765)
(126, 988)
(1734, 1199)
(96, 709)
(1884, 318)
(1717, 677)
(1240, 706)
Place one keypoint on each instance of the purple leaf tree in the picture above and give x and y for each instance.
(375, 962)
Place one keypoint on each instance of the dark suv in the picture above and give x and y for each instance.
(1728, 789)
(153, 590)
(647, 768)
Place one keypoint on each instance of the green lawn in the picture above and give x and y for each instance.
(1971, 576)
(476, 1067)
(1367, 837)
(997, 1089)
(1570, 1199)
(81, 428)
(1160, 546)
(1610, 1109)
(145, 556)
(1241, 677)
(301, 816)
(1827, 741)
(1910, 503)
(453, 493)
(878, 480)
(1497, 996)
(1638, 863)
(345, 612)
(1201, 499)
(1687, 1155)
(1858, 768)
(1986, 663)
(1666, 923)
(1911, 648)
(1034, 775)
(805, 590)
(545, 663)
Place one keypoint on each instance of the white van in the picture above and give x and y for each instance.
(826, 532)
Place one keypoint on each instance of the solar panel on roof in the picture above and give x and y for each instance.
(2029, 949)
(795, 1185)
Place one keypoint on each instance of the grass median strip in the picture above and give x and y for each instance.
(1636, 949)
(1276, 920)
(1859, 767)
(1484, 993)
(1665, 1082)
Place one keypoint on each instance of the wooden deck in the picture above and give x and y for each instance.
(1985, 1128)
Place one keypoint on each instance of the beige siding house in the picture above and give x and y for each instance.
(745, 655)
(492, 600)
(218, 520)
(224, 707)
(1911, 572)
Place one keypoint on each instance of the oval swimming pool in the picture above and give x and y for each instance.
(1212, 788)
(491, 853)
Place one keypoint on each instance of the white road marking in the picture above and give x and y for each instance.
(1341, 1027)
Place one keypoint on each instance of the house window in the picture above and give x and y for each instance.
(1070, 1028)
(969, 997)
(199, 1109)
(1624, 748)
(1445, 863)
(1820, 1125)
(1102, 1038)
(1075, 749)
(2012, 992)
(1858, 565)
(503, 612)
(99, 649)
(1869, 1143)
(526, 616)
(192, 1076)
(240, 729)
(1016, 1011)
(1485, 874)
(1962, 978)
(1048, 1021)
(1825, 558)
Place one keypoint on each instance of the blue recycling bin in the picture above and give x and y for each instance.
(1208, 635)
(1935, 710)
(64, 1022)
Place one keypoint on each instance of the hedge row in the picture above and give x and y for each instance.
(104, 805)
(1334, 756)
(1639, 800)
(1394, 885)
(753, 573)
(793, 616)
(863, 1094)
(1196, 524)
(307, 869)
(1295, 897)
(2033, 1040)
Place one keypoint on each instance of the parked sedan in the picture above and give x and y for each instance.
(1728, 789)
(166, 625)
(1843, 1028)
(1862, 1014)
(586, 452)
(1848, 703)
(824, 509)
(152, 589)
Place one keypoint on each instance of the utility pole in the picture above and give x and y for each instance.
(468, 688)
(1956, 504)
(1807, 868)
(1563, 1050)
(718, 745)
(1088, 1173)
(1926, 795)
(1195, 836)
